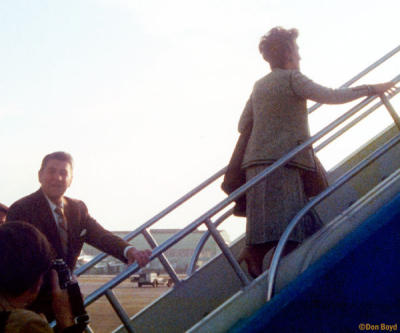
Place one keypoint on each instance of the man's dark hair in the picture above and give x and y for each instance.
(25, 255)
(276, 44)
(3, 208)
(58, 155)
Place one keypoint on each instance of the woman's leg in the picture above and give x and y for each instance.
(254, 255)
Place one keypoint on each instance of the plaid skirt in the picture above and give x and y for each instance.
(274, 202)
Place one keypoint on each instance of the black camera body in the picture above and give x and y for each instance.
(81, 317)
(64, 274)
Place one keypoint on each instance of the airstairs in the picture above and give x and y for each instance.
(359, 210)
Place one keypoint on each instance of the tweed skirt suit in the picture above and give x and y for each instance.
(277, 108)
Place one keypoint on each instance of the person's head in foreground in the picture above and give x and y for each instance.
(26, 257)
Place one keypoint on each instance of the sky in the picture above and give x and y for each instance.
(146, 94)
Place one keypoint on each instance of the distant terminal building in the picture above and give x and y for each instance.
(179, 255)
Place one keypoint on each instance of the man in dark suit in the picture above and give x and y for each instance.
(66, 222)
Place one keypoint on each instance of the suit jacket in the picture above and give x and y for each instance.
(35, 209)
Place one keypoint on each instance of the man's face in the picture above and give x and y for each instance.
(55, 178)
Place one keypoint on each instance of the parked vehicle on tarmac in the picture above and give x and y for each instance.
(148, 278)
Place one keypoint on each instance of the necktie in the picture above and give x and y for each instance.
(62, 228)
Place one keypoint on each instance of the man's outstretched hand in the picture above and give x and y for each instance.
(141, 257)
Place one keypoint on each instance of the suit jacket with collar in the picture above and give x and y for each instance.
(35, 209)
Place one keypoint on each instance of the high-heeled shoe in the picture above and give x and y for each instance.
(254, 266)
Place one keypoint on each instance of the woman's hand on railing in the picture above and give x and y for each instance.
(380, 88)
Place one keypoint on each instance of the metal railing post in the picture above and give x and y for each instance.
(206, 217)
(224, 203)
(391, 110)
(155, 218)
(192, 266)
(348, 126)
(119, 311)
(163, 259)
(221, 172)
(361, 74)
(342, 180)
(228, 254)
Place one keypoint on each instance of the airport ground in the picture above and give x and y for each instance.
(132, 298)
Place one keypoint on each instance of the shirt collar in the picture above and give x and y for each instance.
(52, 204)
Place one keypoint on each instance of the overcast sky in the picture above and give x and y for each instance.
(146, 94)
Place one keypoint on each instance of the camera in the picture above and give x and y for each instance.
(63, 272)
(81, 318)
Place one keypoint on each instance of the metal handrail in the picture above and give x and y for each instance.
(218, 174)
(205, 237)
(352, 123)
(204, 218)
(391, 110)
(155, 218)
(135, 267)
(163, 259)
(361, 74)
(227, 253)
(119, 310)
(317, 199)
(203, 240)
